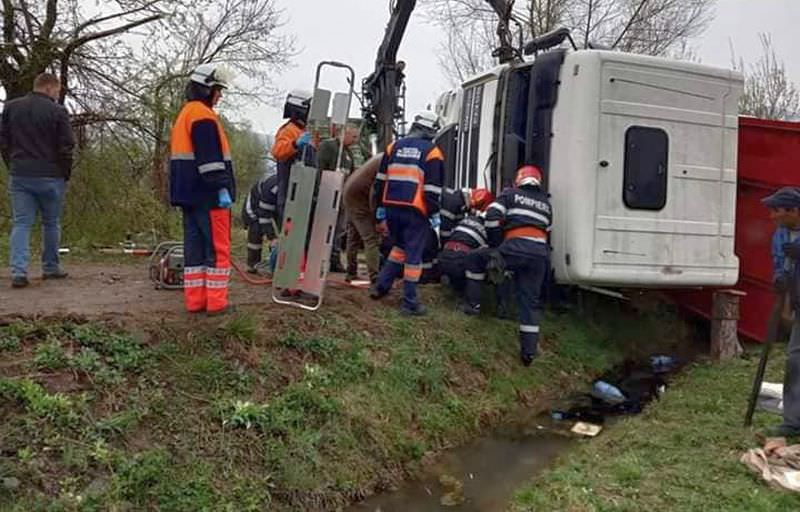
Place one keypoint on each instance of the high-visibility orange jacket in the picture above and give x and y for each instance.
(200, 159)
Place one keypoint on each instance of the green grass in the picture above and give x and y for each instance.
(681, 454)
(252, 415)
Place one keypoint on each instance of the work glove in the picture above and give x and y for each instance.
(224, 198)
(435, 220)
(380, 214)
(303, 141)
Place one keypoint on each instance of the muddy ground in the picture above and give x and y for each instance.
(124, 291)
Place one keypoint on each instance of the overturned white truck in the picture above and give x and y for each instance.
(639, 155)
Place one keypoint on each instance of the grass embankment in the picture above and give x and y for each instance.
(681, 454)
(269, 409)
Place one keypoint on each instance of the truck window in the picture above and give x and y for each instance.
(646, 164)
(516, 124)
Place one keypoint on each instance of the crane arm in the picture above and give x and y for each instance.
(381, 90)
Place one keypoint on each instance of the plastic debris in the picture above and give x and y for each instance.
(607, 392)
(663, 364)
(586, 429)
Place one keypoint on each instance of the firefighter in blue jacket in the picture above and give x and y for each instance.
(518, 224)
(784, 208)
(202, 184)
(408, 191)
(465, 240)
(260, 218)
(457, 204)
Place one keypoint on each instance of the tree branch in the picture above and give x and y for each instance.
(102, 19)
(629, 24)
(49, 20)
(110, 32)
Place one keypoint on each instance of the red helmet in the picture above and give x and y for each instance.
(528, 175)
(481, 198)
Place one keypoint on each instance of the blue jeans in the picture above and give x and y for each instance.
(791, 378)
(30, 196)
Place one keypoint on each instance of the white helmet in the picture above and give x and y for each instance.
(426, 120)
(211, 75)
(299, 98)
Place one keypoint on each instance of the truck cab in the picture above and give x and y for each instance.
(638, 153)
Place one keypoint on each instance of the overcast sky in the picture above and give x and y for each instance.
(351, 30)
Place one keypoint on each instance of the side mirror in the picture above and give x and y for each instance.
(549, 40)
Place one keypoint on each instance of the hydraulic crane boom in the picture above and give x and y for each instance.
(382, 90)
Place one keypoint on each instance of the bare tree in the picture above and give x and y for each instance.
(40, 35)
(769, 93)
(241, 34)
(653, 27)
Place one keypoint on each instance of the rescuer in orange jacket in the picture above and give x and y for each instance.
(202, 184)
(290, 141)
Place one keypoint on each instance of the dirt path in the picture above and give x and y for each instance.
(103, 290)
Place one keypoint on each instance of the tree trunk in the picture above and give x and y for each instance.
(159, 162)
(724, 325)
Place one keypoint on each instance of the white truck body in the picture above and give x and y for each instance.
(639, 155)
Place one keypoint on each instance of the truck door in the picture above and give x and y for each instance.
(665, 175)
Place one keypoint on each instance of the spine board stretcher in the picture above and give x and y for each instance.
(312, 209)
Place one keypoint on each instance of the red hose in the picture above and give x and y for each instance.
(248, 279)
(266, 282)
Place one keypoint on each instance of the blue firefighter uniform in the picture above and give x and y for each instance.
(785, 255)
(431, 271)
(455, 206)
(466, 239)
(409, 187)
(260, 217)
(518, 223)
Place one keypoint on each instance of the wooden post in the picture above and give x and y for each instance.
(724, 325)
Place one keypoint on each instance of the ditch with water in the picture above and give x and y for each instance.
(483, 476)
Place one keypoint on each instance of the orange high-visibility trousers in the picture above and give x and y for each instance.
(207, 258)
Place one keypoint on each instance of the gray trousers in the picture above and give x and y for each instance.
(791, 378)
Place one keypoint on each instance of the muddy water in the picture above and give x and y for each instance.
(490, 471)
(483, 476)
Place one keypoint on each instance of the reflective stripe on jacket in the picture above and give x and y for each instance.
(470, 232)
(523, 213)
(454, 208)
(200, 157)
(411, 175)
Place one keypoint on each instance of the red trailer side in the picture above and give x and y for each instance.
(769, 158)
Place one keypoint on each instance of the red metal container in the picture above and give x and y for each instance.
(769, 158)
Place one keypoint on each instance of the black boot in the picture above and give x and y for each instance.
(417, 310)
(527, 359)
(471, 310)
(375, 292)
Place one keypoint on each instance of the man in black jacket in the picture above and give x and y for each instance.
(36, 142)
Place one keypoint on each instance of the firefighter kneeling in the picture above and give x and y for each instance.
(517, 223)
(260, 218)
(465, 243)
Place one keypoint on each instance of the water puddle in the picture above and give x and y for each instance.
(483, 476)
(480, 477)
